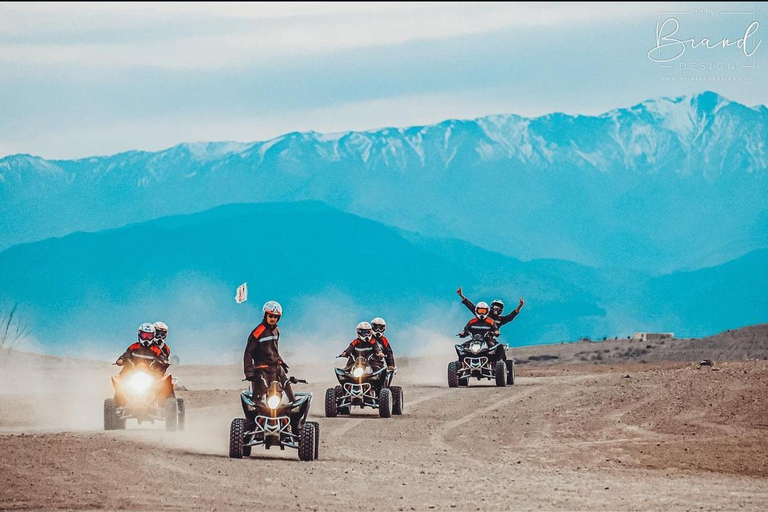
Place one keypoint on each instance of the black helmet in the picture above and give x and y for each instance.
(497, 306)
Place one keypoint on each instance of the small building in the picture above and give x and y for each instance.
(653, 336)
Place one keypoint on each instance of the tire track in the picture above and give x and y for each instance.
(437, 439)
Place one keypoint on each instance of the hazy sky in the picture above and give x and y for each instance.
(91, 79)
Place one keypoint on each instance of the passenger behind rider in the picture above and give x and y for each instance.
(366, 346)
(144, 352)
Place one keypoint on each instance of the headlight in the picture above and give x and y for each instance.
(139, 382)
(358, 372)
(273, 401)
(475, 348)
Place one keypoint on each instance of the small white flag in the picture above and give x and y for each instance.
(242, 293)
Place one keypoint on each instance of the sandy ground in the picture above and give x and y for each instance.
(659, 436)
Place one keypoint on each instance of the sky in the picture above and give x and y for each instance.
(78, 80)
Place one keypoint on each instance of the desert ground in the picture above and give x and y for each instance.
(573, 435)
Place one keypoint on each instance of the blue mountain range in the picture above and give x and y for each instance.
(86, 293)
(669, 184)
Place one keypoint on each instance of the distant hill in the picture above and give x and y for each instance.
(330, 270)
(732, 345)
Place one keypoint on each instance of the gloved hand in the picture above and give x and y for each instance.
(119, 362)
(462, 335)
(459, 291)
(285, 366)
(250, 377)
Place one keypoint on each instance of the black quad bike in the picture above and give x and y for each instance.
(362, 386)
(143, 393)
(269, 421)
(481, 358)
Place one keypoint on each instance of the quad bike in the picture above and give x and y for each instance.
(271, 421)
(362, 386)
(143, 393)
(480, 358)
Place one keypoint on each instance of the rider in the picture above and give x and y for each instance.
(144, 350)
(379, 326)
(497, 308)
(161, 333)
(262, 363)
(365, 345)
(482, 324)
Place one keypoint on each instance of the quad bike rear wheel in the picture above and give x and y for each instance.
(397, 400)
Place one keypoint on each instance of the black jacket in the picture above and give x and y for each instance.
(261, 349)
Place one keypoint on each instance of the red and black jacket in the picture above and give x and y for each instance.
(386, 348)
(486, 328)
(139, 354)
(262, 349)
(366, 349)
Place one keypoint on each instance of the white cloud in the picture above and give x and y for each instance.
(278, 30)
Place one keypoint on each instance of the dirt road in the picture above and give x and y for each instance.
(644, 437)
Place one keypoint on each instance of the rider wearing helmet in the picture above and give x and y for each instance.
(497, 308)
(144, 350)
(161, 333)
(365, 345)
(482, 324)
(379, 326)
(262, 363)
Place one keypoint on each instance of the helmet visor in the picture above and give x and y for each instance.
(379, 327)
(146, 335)
(482, 311)
(364, 333)
(161, 334)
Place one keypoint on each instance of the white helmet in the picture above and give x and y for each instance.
(364, 331)
(146, 334)
(379, 326)
(161, 332)
(481, 310)
(272, 308)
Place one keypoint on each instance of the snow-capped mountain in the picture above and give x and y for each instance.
(655, 186)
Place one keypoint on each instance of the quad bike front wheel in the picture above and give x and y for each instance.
(331, 409)
(453, 375)
(182, 414)
(237, 438)
(385, 403)
(307, 440)
(171, 414)
(317, 437)
(500, 372)
(510, 372)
